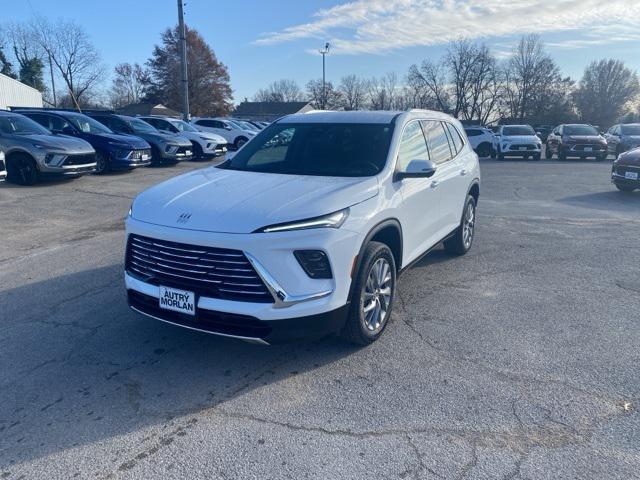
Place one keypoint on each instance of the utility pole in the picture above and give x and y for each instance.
(183, 63)
(53, 84)
(324, 52)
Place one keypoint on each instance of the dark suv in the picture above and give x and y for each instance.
(625, 173)
(623, 137)
(576, 140)
(113, 151)
(166, 148)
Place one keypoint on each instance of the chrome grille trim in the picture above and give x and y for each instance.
(208, 271)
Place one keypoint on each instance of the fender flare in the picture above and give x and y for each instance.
(393, 222)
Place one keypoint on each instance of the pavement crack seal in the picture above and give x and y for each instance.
(81, 190)
(421, 464)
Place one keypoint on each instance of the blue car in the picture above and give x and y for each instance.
(113, 151)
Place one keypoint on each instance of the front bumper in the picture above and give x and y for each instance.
(212, 149)
(520, 150)
(129, 159)
(183, 153)
(618, 175)
(584, 150)
(67, 165)
(301, 307)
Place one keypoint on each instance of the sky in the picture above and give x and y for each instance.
(261, 41)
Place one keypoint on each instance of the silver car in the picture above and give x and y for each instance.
(32, 151)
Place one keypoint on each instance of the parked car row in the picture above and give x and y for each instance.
(563, 141)
(39, 142)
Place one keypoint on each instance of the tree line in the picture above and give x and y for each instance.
(59, 59)
(470, 83)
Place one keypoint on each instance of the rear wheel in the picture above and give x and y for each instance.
(562, 156)
(22, 169)
(536, 157)
(461, 241)
(484, 150)
(624, 188)
(373, 294)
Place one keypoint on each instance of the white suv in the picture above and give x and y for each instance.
(518, 141)
(234, 134)
(304, 231)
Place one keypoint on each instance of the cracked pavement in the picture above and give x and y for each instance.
(513, 362)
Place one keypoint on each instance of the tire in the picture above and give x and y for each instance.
(240, 141)
(376, 275)
(462, 240)
(601, 158)
(22, 170)
(548, 153)
(102, 163)
(197, 151)
(484, 150)
(625, 188)
(537, 157)
(562, 156)
(156, 159)
(500, 156)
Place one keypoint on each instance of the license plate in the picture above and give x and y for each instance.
(631, 175)
(588, 149)
(522, 148)
(144, 157)
(181, 301)
(187, 153)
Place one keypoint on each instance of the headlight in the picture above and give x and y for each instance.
(333, 220)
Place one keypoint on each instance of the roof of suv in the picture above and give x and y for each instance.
(327, 116)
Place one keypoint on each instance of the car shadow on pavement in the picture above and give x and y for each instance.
(622, 202)
(79, 367)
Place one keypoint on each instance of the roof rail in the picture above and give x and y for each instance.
(90, 110)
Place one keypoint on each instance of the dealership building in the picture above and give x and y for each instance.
(16, 94)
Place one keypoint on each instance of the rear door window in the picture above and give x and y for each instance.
(437, 140)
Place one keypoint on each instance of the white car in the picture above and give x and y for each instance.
(482, 140)
(235, 135)
(3, 167)
(518, 141)
(205, 144)
(305, 237)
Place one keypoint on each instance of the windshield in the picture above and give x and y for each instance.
(19, 125)
(234, 124)
(87, 124)
(518, 130)
(630, 129)
(248, 126)
(140, 126)
(183, 126)
(333, 150)
(579, 130)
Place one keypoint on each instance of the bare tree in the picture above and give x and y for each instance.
(430, 79)
(323, 98)
(280, 91)
(352, 90)
(72, 55)
(606, 90)
(131, 84)
(382, 91)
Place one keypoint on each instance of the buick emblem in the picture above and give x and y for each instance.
(183, 218)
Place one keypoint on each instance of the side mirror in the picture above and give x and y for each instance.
(538, 133)
(418, 169)
(227, 127)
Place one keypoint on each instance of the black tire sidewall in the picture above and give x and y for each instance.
(357, 331)
(13, 172)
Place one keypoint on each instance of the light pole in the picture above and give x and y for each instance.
(183, 62)
(324, 52)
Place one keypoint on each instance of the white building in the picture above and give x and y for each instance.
(16, 94)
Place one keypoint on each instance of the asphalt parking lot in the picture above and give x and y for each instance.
(519, 360)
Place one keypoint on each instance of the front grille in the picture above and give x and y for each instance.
(527, 146)
(210, 321)
(137, 154)
(581, 147)
(622, 169)
(183, 150)
(80, 159)
(207, 271)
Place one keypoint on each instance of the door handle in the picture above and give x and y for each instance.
(434, 183)
(463, 172)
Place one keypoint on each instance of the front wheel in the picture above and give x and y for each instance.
(240, 141)
(373, 294)
(548, 153)
(461, 241)
(536, 157)
(22, 170)
(102, 163)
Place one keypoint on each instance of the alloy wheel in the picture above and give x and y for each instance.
(376, 295)
(468, 225)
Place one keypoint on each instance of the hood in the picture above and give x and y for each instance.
(586, 138)
(521, 138)
(61, 143)
(161, 137)
(230, 201)
(129, 140)
(632, 157)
